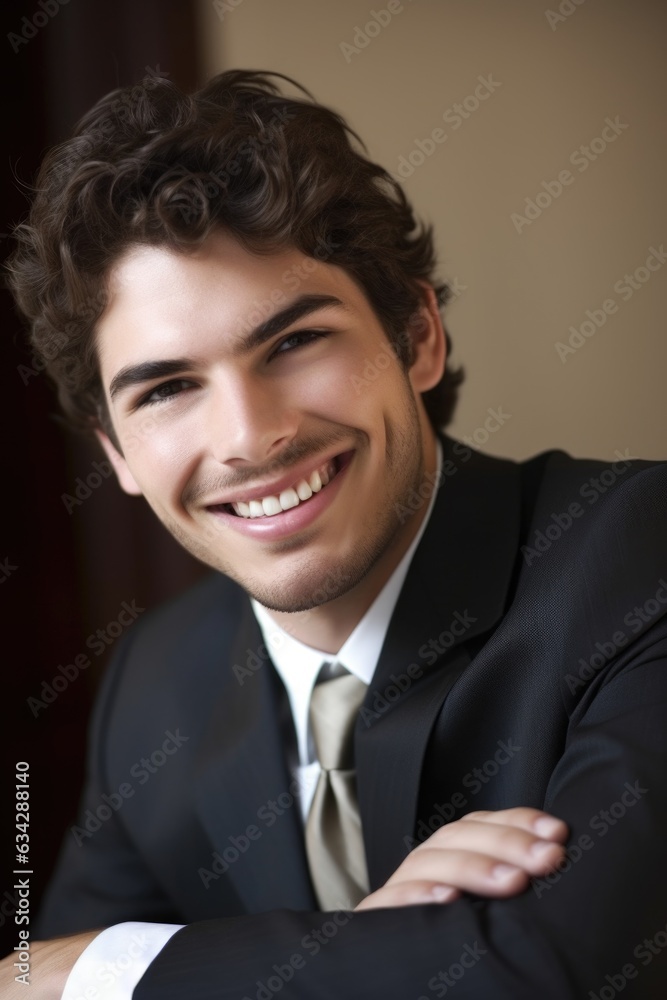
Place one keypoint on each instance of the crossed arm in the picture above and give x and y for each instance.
(490, 854)
(600, 918)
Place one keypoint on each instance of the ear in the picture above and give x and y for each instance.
(429, 345)
(125, 477)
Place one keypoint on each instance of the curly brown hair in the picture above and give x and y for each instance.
(152, 165)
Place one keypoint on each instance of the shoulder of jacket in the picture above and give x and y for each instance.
(176, 641)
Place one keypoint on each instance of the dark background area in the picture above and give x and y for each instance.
(66, 565)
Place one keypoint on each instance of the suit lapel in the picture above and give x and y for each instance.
(456, 589)
(242, 781)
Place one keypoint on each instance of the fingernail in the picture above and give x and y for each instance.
(503, 872)
(442, 893)
(542, 848)
(547, 827)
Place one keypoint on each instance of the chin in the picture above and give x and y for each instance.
(314, 588)
(293, 602)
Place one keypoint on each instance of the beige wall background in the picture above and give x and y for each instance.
(557, 72)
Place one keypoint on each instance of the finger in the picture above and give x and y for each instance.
(468, 870)
(534, 820)
(409, 894)
(512, 845)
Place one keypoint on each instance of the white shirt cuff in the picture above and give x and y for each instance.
(114, 961)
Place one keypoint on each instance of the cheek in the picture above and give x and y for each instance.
(352, 385)
(160, 457)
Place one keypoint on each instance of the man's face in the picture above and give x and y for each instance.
(211, 410)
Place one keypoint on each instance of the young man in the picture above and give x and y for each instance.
(252, 330)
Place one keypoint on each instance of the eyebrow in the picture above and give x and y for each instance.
(147, 371)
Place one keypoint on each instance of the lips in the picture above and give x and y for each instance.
(295, 495)
(289, 523)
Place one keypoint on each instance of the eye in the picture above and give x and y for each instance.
(165, 391)
(306, 336)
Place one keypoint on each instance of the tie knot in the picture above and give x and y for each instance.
(333, 710)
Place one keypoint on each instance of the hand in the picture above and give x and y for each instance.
(50, 964)
(487, 853)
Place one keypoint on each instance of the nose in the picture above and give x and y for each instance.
(249, 420)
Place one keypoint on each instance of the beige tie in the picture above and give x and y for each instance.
(334, 843)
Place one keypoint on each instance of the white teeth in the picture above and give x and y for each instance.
(292, 497)
(303, 490)
(315, 481)
(271, 505)
(289, 498)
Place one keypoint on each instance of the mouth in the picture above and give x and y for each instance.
(296, 495)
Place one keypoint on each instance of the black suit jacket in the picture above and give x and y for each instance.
(525, 664)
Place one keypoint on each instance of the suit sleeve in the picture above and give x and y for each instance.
(595, 928)
(100, 879)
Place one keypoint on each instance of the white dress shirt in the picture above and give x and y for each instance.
(298, 665)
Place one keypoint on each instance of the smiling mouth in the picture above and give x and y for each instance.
(294, 496)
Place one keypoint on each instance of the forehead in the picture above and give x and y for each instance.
(160, 298)
(220, 258)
